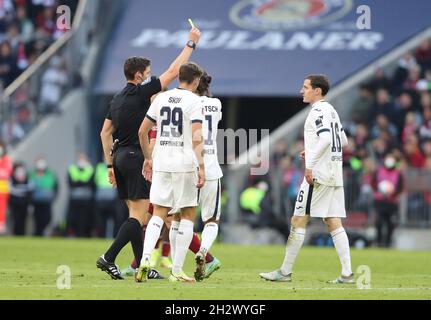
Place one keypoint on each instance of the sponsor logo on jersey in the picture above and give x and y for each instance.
(319, 122)
(172, 143)
(286, 15)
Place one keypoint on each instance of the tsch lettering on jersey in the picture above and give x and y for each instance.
(174, 100)
(176, 310)
(211, 109)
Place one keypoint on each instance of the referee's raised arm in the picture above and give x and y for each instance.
(172, 72)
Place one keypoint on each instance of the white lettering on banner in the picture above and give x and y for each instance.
(366, 40)
(211, 39)
(272, 40)
(336, 41)
(304, 40)
(238, 40)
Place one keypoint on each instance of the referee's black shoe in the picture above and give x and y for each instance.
(110, 268)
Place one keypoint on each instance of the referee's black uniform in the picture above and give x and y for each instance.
(127, 111)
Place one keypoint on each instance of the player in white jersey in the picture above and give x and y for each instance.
(172, 166)
(210, 194)
(322, 193)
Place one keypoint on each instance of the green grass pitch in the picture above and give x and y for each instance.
(28, 271)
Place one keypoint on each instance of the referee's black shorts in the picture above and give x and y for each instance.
(131, 184)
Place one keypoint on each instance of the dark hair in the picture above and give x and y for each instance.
(189, 72)
(203, 88)
(135, 64)
(319, 81)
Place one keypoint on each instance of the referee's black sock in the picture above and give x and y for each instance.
(137, 240)
(130, 231)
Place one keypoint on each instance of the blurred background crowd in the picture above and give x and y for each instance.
(27, 29)
(28, 194)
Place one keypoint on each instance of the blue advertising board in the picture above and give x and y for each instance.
(262, 47)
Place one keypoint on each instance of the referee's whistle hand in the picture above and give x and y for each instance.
(309, 176)
(195, 35)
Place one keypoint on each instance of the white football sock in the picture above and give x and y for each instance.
(154, 228)
(173, 232)
(184, 238)
(341, 243)
(209, 235)
(294, 244)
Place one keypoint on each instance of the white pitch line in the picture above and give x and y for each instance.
(190, 286)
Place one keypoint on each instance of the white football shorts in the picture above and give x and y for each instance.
(174, 189)
(320, 201)
(210, 200)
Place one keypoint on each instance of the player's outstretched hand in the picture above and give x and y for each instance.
(302, 155)
(201, 179)
(147, 170)
(111, 177)
(195, 35)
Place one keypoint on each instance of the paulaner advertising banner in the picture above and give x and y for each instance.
(262, 47)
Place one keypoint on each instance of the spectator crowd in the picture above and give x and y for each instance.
(27, 29)
(27, 196)
(389, 135)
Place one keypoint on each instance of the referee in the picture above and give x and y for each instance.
(126, 113)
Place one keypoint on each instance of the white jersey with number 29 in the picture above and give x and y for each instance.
(174, 111)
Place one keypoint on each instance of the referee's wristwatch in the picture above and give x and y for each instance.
(109, 166)
(191, 44)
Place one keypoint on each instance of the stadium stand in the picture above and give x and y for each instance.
(27, 29)
(392, 114)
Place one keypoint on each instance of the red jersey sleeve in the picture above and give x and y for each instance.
(153, 133)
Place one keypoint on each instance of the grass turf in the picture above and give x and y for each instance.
(28, 271)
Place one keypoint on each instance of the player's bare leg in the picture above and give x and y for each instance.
(182, 243)
(294, 244)
(152, 234)
(341, 244)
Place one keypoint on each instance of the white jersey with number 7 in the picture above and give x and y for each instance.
(212, 109)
